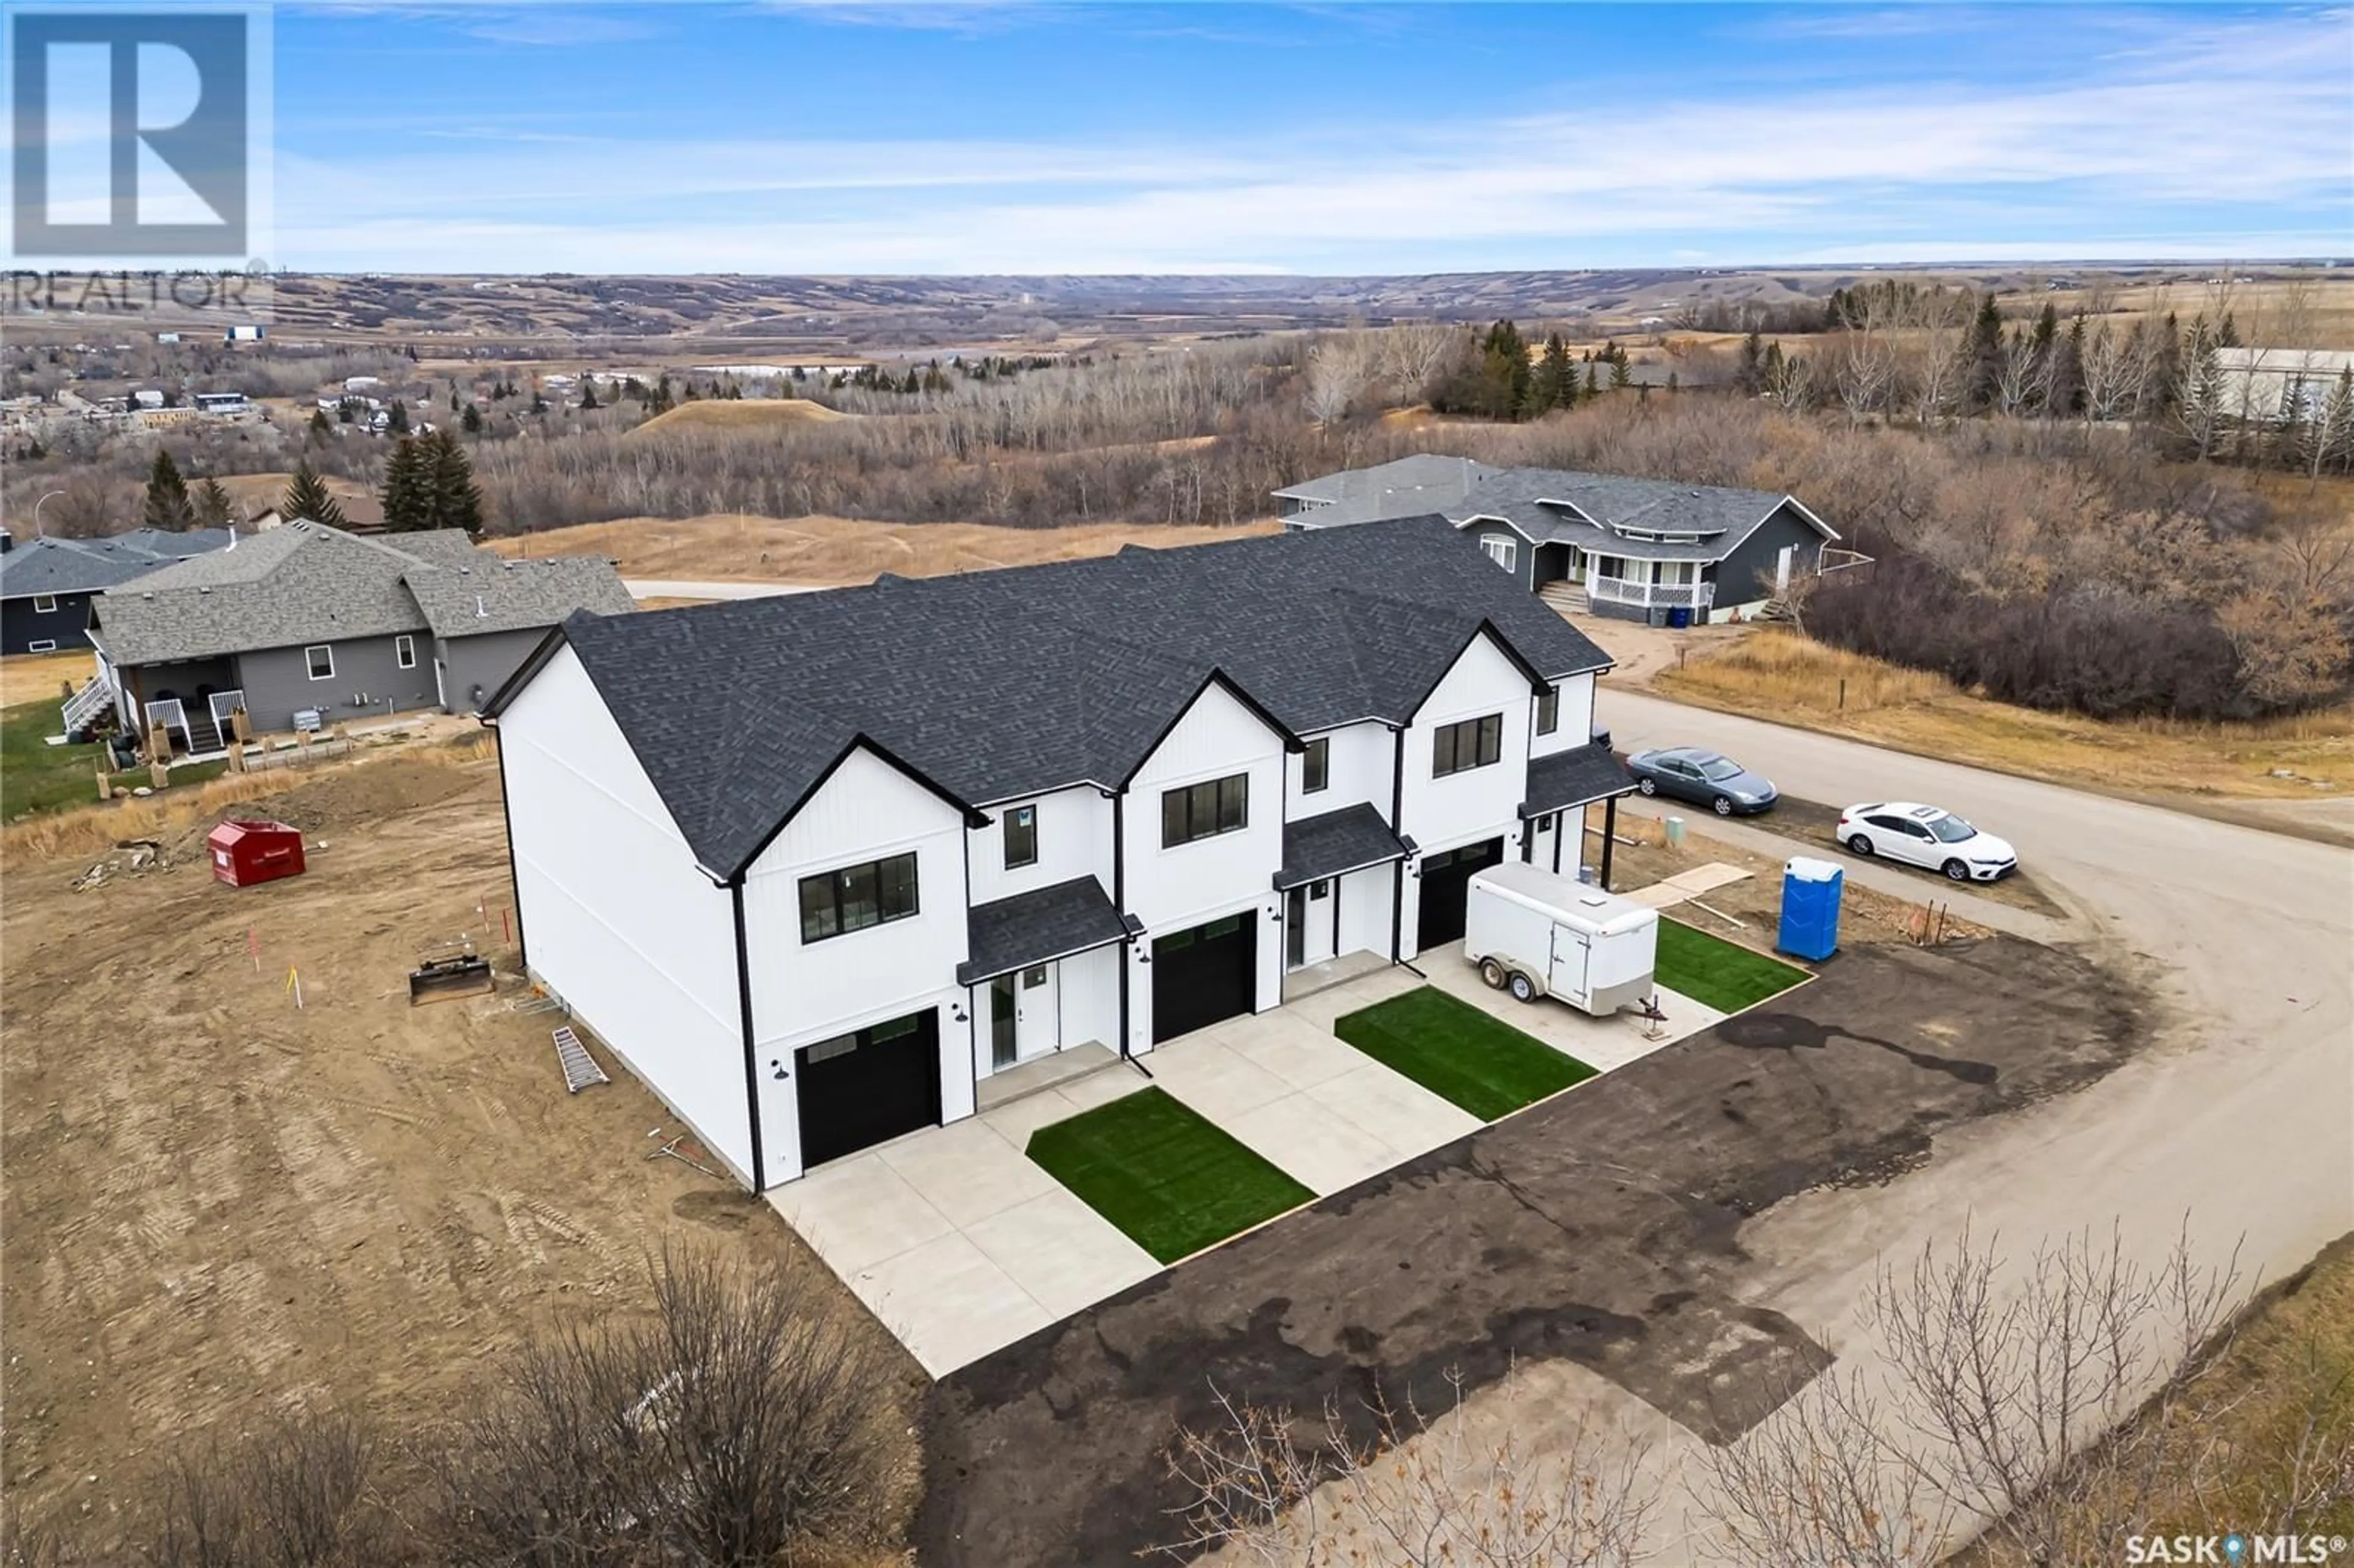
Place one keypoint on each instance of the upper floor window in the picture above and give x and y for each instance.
(1316, 766)
(1021, 837)
(44, 603)
(1206, 810)
(1505, 553)
(1549, 711)
(403, 650)
(835, 902)
(1474, 743)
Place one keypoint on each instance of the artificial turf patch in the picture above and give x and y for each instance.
(1460, 1053)
(1717, 973)
(1170, 1180)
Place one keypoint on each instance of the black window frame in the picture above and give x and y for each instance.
(1027, 817)
(835, 891)
(1549, 710)
(1191, 812)
(1316, 766)
(1449, 745)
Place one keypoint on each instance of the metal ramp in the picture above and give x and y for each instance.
(581, 1069)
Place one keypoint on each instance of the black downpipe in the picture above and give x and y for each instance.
(506, 820)
(1609, 837)
(744, 1008)
(1561, 830)
(1397, 881)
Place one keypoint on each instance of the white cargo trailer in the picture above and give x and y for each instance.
(1538, 933)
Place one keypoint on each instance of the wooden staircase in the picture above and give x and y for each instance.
(1567, 597)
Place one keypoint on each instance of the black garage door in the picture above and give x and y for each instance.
(859, 1090)
(1204, 975)
(1447, 888)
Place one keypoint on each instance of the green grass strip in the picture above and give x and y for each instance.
(1460, 1053)
(1163, 1174)
(1717, 973)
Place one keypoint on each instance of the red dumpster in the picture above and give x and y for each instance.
(247, 852)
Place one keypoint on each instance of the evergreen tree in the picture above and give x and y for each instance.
(2334, 431)
(1982, 355)
(538, 403)
(1505, 372)
(2228, 335)
(2200, 393)
(214, 508)
(454, 396)
(587, 392)
(1621, 372)
(400, 417)
(457, 498)
(1592, 388)
(1750, 376)
(307, 495)
(2290, 429)
(167, 496)
(662, 402)
(1555, 383)
(407, 501)
(320, 426)
(470, 420)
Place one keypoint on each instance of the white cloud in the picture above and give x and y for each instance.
(2187, 136)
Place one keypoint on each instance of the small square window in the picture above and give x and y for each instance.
(403, 650)
(44, 603)
(1032, 978)
(1319, 890)
(321, 659)
(1316, 766)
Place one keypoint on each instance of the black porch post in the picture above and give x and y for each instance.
(1609, 837)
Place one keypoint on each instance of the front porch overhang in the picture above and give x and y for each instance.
(1578, 777)
(1040, 926)
(1335, 844)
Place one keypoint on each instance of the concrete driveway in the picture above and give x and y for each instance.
(961, 1245)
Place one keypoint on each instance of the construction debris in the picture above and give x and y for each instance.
(131, 857)
(452, 969)
(581, 1069)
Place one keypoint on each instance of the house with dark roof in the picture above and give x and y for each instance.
(312, 620)
(1641, 549)
(46, 583)
(817, 867)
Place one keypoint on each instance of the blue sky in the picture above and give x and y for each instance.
(821, 137)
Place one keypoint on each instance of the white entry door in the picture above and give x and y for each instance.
(1037, 1010)
(1782, 569)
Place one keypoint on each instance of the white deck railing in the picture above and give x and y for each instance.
(1617, 591)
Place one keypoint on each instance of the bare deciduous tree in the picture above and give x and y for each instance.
(1340, 367)
(1415, 355)
(1416, 1493)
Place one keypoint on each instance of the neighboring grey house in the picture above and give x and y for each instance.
(311, 619)
(1634, 548)
(46, 583)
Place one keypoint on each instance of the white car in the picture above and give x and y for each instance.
(1929, 836)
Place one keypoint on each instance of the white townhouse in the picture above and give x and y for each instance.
(815, 866)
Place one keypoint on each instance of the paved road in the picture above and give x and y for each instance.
(667, 587)
(2243, 1122)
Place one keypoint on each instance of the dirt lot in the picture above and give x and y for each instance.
(839, 551)
(216, 1205)
(1604, 1228)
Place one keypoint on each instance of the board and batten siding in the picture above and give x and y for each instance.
(1477, 803)
(638, 943)
(1359, 771)
(1174, 889)
(1576, 711)
(1074, 841)
(804, 992)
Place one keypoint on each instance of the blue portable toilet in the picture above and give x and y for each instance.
(1810, 907)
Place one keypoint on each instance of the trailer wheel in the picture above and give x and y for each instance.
(1523, 989)
(1492, 974)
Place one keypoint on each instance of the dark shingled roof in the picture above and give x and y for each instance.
(85, 566)
(1032, 927)
(1572, 777)
(1350, 839)
(993, 686)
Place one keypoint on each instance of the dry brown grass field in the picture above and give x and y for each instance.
(1785, 675)
(737, 413)
(261, 492)
(28, 677)
(839, 551)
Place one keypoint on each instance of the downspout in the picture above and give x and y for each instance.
(1397, 882)
(1561, 827)
(744, 1008)
(1609, 837)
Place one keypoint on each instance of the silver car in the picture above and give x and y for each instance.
(1706, 778)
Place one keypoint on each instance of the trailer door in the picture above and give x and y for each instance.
(1573, 956)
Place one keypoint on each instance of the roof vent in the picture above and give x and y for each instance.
(481, 611)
